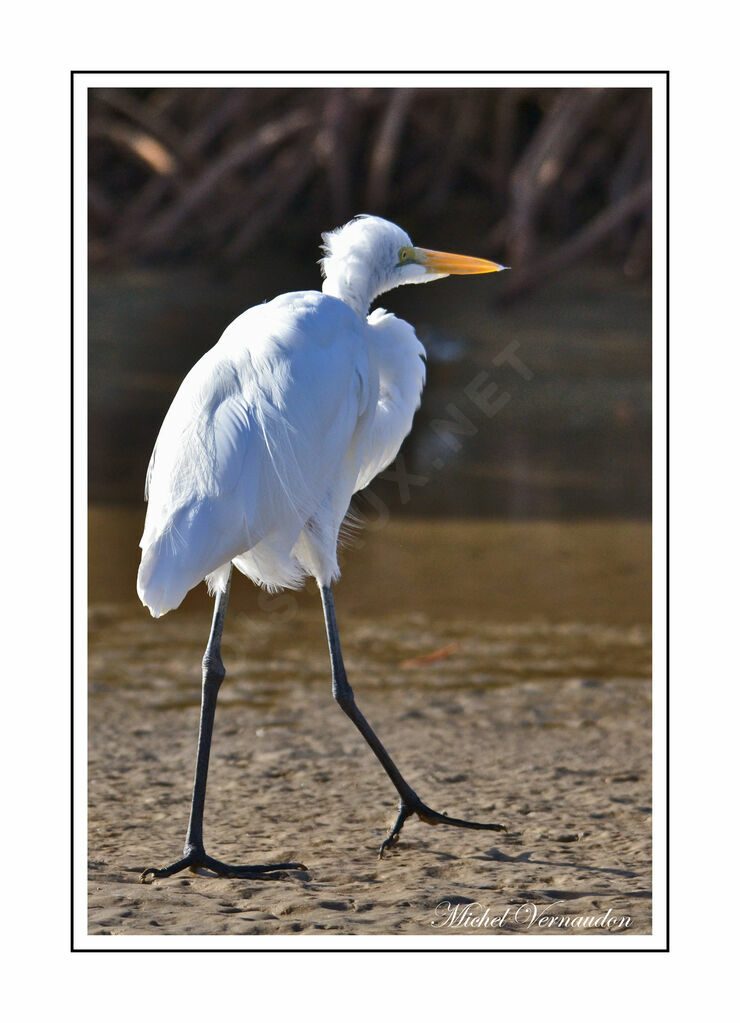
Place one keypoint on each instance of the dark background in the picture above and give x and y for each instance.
(203, 202)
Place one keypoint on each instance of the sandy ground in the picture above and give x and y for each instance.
(573, 792)
(542, 726)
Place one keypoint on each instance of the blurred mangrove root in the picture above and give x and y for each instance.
(548, 176)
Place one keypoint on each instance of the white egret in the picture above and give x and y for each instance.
(299, 405)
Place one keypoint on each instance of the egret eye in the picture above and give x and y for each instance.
(405, 255)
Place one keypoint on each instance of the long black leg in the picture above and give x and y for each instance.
(194, 854)
(342, 690)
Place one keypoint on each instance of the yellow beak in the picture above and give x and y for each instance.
(450, 263)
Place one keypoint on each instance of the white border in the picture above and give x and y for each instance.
(509, 942)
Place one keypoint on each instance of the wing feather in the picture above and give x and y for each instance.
(252, 444)
(398, 357)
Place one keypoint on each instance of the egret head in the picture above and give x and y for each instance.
(369, 256)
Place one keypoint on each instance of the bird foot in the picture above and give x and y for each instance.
(413, 805)
(197, 858)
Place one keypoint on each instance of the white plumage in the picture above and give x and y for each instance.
(301, 403)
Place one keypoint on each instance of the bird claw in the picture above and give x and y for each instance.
(199, 859)
(408, 807)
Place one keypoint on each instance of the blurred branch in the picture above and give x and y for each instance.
(332, 148)
(230, 103)
(503, 137)
(199, 191)
(290, 172)
(146, 115)
(542, 164)
(454, 153)
(146, 149)
(546, 173)
(385, 150)
(584, 241)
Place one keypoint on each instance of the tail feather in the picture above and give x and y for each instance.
(192, 545)
(161, 583)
